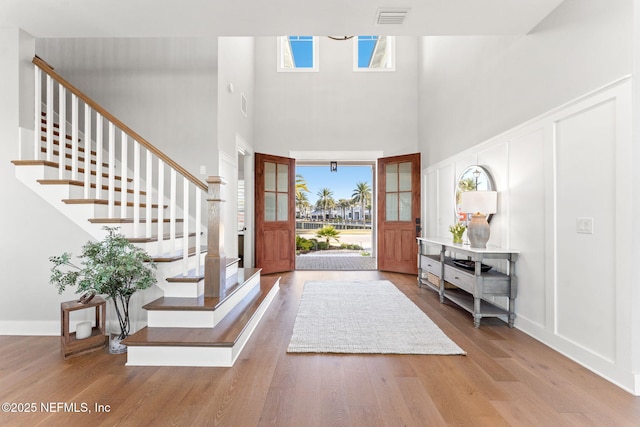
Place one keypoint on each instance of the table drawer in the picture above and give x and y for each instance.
(459, 278)
(431, 264)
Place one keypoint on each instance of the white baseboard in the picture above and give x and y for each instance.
(30, 328)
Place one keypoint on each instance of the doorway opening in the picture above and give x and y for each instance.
(335, 214)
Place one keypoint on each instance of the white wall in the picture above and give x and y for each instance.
(472, 88)
(336, 109)
(33, 230)
(163, 89)
(504, 102)
(576, 291)
(236, 70)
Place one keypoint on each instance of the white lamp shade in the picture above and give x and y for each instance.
(484, 202)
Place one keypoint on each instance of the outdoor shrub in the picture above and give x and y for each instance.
(303, 244)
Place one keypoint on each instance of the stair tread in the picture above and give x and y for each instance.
(67, 145)
(81, 184)
(154, 238)
(126, 220)
(104, 202)
(56, 165)
(69, 156)
(224, 334)
(202, 303)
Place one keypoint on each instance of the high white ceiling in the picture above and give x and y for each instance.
(206, 18)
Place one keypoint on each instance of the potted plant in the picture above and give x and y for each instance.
(113, 267)
(457, 230)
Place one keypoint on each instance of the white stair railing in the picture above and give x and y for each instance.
(131, 183)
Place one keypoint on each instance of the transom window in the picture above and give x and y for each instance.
(374, 53)
(297, 53)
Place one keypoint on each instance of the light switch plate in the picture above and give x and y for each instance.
(584, 225)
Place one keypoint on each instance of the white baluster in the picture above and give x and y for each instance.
(172, 212)
(148, 199)
(74, 138)
(124, 166)
(136, 188)
(111, 174)
(87, 151)
(62, 131)
(37, 129)
(99, 136)
(161, 203)
(185, 227)
(49, 118)
(199, 195)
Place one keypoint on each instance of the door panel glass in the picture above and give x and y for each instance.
(404, 176)
(269, 206)
(283, 206)
(391, 207)
(405, 206)
(392, 178)
(283, 178)
(269, 176)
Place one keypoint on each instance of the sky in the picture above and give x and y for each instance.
(342, 183)
(302, 49)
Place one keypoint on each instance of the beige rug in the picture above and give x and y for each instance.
(364, 317)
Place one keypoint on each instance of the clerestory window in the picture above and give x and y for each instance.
(297, 53)
(374, 53)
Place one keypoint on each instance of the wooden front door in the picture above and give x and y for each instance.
(398, 213)
(275, 213)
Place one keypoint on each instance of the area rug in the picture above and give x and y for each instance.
(364, 317)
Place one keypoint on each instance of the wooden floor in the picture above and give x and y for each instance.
(507, 378)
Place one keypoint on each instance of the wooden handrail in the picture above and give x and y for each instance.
(126, 129)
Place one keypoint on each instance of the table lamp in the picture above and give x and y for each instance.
(479, 204)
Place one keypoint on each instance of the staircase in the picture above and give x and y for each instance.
(99, 172)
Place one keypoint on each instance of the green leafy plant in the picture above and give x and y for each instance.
(328, 232)
(113, 267)
(303, 245)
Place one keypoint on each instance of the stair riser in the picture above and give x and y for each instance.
(181, 319)
(182, 289)
(180, 356)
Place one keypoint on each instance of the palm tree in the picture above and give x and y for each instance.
(302, 204)
(328, 232)
(344, 204)
(362, 195)
(325, 200)
(301, 186)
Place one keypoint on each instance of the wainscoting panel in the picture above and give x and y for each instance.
(585, 176)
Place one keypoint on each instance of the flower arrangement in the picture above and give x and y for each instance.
(457, 230)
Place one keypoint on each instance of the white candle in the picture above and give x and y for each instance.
(83, 330)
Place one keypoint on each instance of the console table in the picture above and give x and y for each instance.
(471, 287)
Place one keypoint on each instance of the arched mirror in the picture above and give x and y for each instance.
(473, 178)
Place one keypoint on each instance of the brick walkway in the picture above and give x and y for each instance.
(336, 261)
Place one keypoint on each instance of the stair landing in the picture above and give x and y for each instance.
(216, 346)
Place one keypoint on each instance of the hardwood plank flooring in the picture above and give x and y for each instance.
(506, 379)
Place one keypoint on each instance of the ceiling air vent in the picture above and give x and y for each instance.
(395, 16)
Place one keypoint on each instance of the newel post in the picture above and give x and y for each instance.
(215, 265)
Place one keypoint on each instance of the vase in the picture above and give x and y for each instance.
(118, 326)
(457, 238)
(115, 341)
